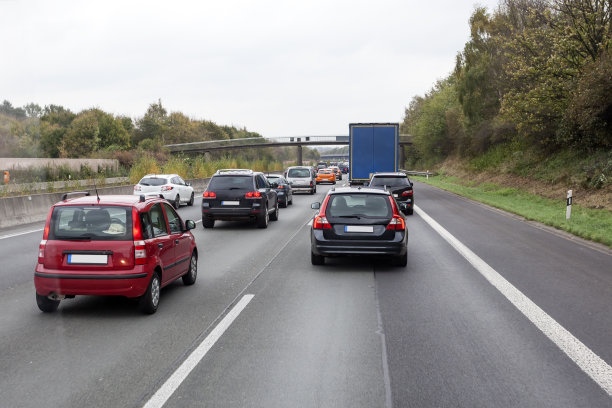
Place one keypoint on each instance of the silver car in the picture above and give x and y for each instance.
(301, 178)
(171, 186)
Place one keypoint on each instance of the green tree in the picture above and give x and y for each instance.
(82, 137)
(153, 125)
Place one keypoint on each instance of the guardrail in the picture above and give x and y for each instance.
(419, 173)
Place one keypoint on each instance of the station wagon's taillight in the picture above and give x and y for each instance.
(320, 222)
(397, 222)
(41, 251)
(407, 193)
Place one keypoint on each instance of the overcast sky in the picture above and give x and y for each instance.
(280, 68)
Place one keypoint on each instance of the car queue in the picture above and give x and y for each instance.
(135, 245)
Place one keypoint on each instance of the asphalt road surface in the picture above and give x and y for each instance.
(491, 311)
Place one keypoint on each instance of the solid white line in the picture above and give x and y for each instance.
(20, 233)
(589, 362)
(167, 389)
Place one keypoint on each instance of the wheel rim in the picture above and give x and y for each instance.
(155, 291)
(194, 267)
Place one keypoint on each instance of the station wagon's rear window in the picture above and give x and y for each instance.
(91, 223)
(359, 205)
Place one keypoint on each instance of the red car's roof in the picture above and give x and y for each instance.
(131, 200)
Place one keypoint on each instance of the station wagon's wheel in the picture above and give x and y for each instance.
(190, 203)
(317, 259)
(177, 201)
(401, 260)
(45, 304)
(150, 300)
(262, 221)
(285, 202)
(190, 277)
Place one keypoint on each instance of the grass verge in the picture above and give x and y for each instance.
(594, 225)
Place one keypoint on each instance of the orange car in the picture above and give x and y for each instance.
(326, 176)
(337, 172)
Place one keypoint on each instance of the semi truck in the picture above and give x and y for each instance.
(373, 148)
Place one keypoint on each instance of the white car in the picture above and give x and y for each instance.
(171, 186)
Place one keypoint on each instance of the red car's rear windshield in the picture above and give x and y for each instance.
(91, 223)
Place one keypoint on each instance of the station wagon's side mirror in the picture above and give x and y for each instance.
(315, 206)
(189, 224)
(188, 184)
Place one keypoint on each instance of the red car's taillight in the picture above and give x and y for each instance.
(320, 222)
(253, 194)
(140, 250)
(209, 194)
(41, 251)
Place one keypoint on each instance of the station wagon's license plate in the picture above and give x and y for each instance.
(230, 202)
(358, 228)
(85, 259)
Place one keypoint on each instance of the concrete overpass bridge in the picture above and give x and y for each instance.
(260, 142)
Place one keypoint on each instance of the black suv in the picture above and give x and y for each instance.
(239, 194)
(399, 185)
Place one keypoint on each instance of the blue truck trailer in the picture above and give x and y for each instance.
(373, 147)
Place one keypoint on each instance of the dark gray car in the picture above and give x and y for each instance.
(359, 221)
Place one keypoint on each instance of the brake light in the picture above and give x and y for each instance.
(253, 194)
(140, 250)
(209, 194)
(407, 193)
(166, 188)
(41, 251)
(397, 222)
(320, 222)
(140, 253)
(281, 186)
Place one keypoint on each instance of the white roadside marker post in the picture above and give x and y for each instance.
(568, 211)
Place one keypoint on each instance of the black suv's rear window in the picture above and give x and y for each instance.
(390, 181)
(298, 173)
(102, 223)
(231, 183)
(153, 181)
(360, 205)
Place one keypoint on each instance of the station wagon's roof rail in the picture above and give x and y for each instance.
(143, 197)
(246, 171)
(65, 195)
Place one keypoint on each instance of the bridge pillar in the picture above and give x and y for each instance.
(299, 155)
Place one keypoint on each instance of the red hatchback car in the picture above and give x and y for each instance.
(113, 245)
